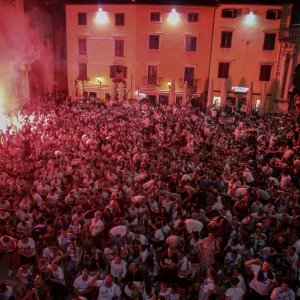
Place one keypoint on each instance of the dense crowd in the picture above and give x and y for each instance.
(135, 201)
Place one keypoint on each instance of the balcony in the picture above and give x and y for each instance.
(289, 35)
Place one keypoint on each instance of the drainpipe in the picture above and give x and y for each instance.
(212, 41)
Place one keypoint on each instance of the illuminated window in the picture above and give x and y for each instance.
(269, 41)
(229, 13)
(152, 74)
(119, 48)
(155, 17)
(265, 72)
(82, 47)
(82, 19)
(226, 39)
(193, 17)
(119, 19)
(273, 14)
(189, 75)
(154, 41)
(118, 71)
(223, 70)
(190, 43)
(82, 71)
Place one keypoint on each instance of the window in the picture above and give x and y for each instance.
(229, 13)
(154, 41)
(152, 74)
(193, 17)
(226, 39)
(190, 43)
(155, 17)
(82, 74)
(273, 14)
(82, 47)
(269, 41)
(189, 73)
(223, 70)
(119, 48)
(119, 19)
(265, 72)
(118, 71)
(82, 19)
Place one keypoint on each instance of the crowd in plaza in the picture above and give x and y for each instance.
(134, 201)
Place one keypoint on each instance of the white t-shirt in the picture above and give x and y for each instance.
(260, 286)
(82, 285)
(58, 274)
(193, 225)
(120, 231)
(279, 294)
(107, 293)
(27, 247)
(235, 293)
(96, 226)
(158, 235)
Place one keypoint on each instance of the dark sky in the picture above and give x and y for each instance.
(179, 2)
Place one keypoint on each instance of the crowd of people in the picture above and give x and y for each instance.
(135, 201)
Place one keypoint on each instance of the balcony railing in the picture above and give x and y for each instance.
(290, 35)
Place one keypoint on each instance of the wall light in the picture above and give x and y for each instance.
(250, 18)
(169, 83)
(101, 17)
(173, 17)
(99, 80)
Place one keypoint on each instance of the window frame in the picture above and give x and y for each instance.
(184, 75)
(278, 13)
(186, 43)
(148, 73)
(190, 14)
(155, 12)
(84, 52)
(116, 40)
(82, 14)
(226, 43)
(267, 76)
(233, 16)
(80, 70)
(267, 43)
(123, 70)
(222, 71)
(122, 24)
(150, 35)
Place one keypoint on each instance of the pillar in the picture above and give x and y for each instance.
(288, 77)
(281, 77)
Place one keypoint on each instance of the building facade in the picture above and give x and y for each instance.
(140, 50)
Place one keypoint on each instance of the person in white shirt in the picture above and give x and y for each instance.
(234, 292)
(81, 284)
(57, 273)
(6, 292)
(283, 292)
(232, 259)
(118, 268)
(26, 250)
(108, 290)
(264, 279)
(8, 245)
(241, 281)
(96, 228)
